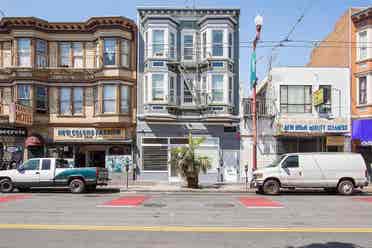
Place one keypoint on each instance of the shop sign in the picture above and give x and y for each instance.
(366, 143)
(335, 140)
(21, 115)
(315, 126)
(13, 132)
(88, 133)
(318, 97)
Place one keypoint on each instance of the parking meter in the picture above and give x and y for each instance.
(246, 176)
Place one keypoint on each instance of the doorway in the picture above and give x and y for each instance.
(97, 159)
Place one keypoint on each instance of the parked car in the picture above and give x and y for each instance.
(335, 172)
(52, 172)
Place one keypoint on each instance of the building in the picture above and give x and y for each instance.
(67, 88)
(300, 109)
(188, 82)
(352, 37)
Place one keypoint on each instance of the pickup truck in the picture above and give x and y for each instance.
(52, 172)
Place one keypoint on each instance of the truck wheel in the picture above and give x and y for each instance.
(91, 188)
(345, 187)
(77, 186)
(271, 187)
(6, 186)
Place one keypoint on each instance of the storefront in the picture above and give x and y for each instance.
(90, 147)
(12, 146)
(362, 140)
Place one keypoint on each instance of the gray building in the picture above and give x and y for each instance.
(188, 82)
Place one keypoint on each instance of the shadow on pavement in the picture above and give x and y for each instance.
(328, 245)
(67, 191)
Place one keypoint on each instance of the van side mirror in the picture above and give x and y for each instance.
(21, 168)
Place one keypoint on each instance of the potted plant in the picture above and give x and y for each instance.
(188, 163)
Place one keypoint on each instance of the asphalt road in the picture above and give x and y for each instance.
(59, 219)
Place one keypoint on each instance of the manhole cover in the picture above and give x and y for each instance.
(154, 205)
(220, 205)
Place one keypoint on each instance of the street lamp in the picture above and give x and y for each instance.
(258, 20)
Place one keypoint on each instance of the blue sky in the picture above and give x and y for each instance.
(279, 17)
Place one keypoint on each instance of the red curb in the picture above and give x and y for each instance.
(259, 202)
(13, 198)
(131, 201)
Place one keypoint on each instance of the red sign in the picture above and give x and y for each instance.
(20, 114)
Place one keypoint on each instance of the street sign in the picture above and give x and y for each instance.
(253, 76)
(318, 97)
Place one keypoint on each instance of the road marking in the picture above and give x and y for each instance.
(125, 201)
(202, 229)
(13, 198)
(259, 202)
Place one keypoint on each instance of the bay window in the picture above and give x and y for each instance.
(158, 87)
(24, 94)
(41, 93)
(125, 53)
(109, 53)
(109, 99)
(64, 54)
(217, 88)
(217, 43)
(77, 54)
(295, 99)
(24, 52)
(188, 46)
(158, 43)
(71, 100)
(362, 90)
(124, 99)
(41, 53)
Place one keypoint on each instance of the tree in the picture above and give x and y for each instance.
(189, 164)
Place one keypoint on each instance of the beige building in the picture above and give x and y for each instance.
(67, 88)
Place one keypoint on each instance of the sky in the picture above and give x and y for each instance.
(279, 17)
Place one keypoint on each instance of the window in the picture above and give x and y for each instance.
(146, 44)
(204, 84)
(124, 99)
(326, 107)
(157, 87)
(230, 45)
(363, 90)
(45, 164)
(41, 98)
(172, 46)
(204, 44)
(62, 163)
(158, 43)
(41, 53)
(362, 45)
(217, 64)
(109, 45)
(295, 99)
(125, 53)
(291, 162)
(71, 101)
(217, 88)
(188, 46)
(24, 95)
(187, 95)
(32, 164)
(77, 50)
(65, 52)
(217, 40)
(158, 63)
(24, 52)
(77, 100)
(146, 89)
(172, 90)
(109, 99)
(96, 100)
(231, 97)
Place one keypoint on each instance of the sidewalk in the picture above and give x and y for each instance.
(149, 186)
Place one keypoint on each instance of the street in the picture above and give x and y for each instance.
(112, 219)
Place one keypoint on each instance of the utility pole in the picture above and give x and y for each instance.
(258, 21)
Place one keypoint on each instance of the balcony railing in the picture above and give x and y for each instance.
(264, 108)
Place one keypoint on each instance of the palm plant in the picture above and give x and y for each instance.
(189, 164)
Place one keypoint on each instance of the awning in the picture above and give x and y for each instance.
(33, 141)
(362, 131)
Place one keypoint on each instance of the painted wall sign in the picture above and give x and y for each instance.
(318, 97)
(340, 125)
(13, 132)
(335, 140)
(88, 133)
(21, 115)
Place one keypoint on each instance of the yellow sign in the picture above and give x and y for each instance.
(335, 140)
(78, 133)
(318, 97)
(21, 115)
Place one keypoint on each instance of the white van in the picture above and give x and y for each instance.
(341, 172)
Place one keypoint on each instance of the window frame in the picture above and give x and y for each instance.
(128, 100)
(110, 99)
(71, 101)
(61, 57)
(361, 91)
(290, 157)
(362, 48)
(45, 99)
(231, 90)
(20, 52)
(184, 47)
(40, 55)
(172, 45)
(216, 45)
(221, 90)
(123, 53)
(326, 108)
(155, 45)
(77, 56)
(104, 53)
(29, 99)
(153, 99)
(286, 105)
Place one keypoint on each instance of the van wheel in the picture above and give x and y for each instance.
(330, 190)
(77, 186)
(271, 187)
(6, 186)
(345, 187)
(260, 190)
